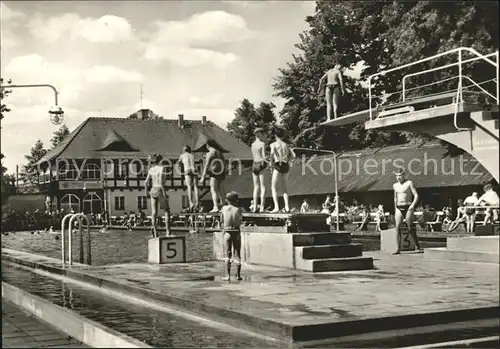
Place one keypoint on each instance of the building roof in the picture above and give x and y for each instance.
(427, 165)
(97, 138)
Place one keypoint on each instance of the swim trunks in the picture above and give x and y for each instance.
(258, 167)
(190, 173)
(334, 89)
(282, 167)
(469, 211)
(159, 194)
(403, 208)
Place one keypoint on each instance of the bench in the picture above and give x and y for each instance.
(437, 225)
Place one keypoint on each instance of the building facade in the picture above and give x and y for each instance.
(102, 165)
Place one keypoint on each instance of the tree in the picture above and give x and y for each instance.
(376, 35)
(3, 110)
(150, 115)
(59, 135)
(247, 118)
(8, 186)
(29, 172)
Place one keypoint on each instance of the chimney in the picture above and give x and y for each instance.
(144, 114)
(203, 120)
(181, 121)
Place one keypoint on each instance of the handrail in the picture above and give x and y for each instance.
(72, 217)
(477, 85)
(440, 68)
(456, 50)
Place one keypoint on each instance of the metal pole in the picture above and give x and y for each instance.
(63, 243)
(38, 85)
(460, 76)
(336, 191)
(80, 232)
(370, 97)
(89, 248)
(498, 93)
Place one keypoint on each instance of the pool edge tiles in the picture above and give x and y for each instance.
(298, 306)
(84, 330)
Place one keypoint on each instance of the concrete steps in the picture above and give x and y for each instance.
(482, 249)
(334, 264)
(329, 251)
(488, 244)
(323, 252)
(315, 239)
(461, 256)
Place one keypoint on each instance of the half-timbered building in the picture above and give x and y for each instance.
(103, 163)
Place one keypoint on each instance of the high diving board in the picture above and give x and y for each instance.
(437, 100)
(349, 118)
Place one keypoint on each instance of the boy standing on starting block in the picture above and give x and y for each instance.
(231, 217)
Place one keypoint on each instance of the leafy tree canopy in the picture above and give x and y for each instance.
(376, 35)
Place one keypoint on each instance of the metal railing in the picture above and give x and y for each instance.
(72, 217)
(460, 62)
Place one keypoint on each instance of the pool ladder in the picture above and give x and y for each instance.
(80, 217)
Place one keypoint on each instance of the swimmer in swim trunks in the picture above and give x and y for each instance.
(155, 185)
(334, 89)
(258, 167)
(281, 157)
(490, 198)
(405, 200)
(231, 216)
(215, 168)
(187, 161)
(470, 212)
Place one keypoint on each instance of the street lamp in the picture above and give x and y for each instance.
(56, 113)
(336, 178)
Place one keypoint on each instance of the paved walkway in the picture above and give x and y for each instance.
(400, 285)
(20, 330)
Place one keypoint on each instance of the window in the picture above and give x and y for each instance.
(91, 171)
(142, 202)
(121, 170)
(92, 203)
(119, 202)
(185, 201)
(70, 202)
(68, 171)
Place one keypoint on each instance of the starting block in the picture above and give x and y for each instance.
(168, 249)
(388, 240)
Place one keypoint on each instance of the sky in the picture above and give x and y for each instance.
(191, 57)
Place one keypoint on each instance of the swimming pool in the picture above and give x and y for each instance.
(122, 246)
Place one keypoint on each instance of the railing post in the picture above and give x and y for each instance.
(63, 242)
(460, 76)
(370, 96)
(498, 94)
(89, 248)
(404, 88)
(80, 232)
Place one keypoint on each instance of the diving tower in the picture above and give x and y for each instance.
(467, 118)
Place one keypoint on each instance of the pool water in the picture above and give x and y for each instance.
(154, 327)
(122, 246)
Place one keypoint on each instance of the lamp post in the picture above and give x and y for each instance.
(56, 113)
(336, 179)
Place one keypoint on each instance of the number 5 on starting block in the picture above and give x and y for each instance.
(164, 250)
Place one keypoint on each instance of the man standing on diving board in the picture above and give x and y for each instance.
(334, 89)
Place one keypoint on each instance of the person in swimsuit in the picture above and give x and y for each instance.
(405, 200)
(186, 160)
(470, 212)
(259, 164)
(460, 217)
(281, 156)
(334, 89)
(490, 198)
(231, 217)
(215, 168)
(155, 185)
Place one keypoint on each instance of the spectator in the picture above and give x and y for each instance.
(470, 212)
(304, 208)
(489, 198)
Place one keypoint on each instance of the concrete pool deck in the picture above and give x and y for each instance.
(402, 291)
